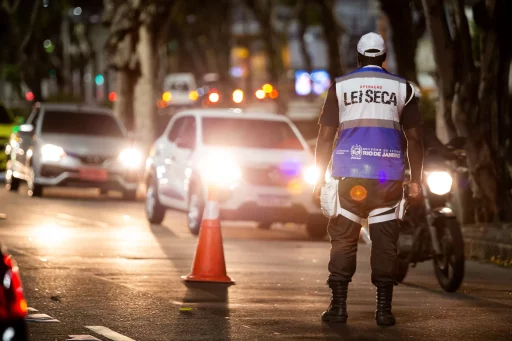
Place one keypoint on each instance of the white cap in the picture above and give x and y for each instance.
(371, 41)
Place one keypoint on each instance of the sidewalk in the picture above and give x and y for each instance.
(489, 242)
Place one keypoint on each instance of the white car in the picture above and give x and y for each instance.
(180, 89)
(69, 145)
(259, 163)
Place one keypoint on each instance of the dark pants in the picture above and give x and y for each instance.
(344, 233)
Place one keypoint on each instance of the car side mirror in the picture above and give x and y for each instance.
(26, 128)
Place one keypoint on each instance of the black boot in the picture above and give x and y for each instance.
(383, 314)
(337, 311)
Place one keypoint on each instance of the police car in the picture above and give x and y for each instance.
(259, 163)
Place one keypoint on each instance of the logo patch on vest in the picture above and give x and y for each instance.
(356, 152)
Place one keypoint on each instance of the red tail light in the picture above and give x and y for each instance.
(12, 300)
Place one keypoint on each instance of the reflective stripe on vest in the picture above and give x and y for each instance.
(370, 138)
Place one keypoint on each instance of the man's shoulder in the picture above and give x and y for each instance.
(347, 75)
(375, 71)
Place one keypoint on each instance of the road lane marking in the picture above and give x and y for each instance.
(32, 310)
(82, 338)
(41, 318)
(109, 333)
(68, 217)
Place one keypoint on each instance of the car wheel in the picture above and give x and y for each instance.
(195, 210)
(12, 183)
(265, 225)
(155, 211)
(34, 190)
(130, 195)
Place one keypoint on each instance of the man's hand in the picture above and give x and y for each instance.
(415, 156)
(414, 189)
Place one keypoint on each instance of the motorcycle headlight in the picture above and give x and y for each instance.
(311, 175)
(51, 152)
(439, 183)
(221, 169)
(131, 158)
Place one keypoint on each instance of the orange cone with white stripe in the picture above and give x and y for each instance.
(209, 264)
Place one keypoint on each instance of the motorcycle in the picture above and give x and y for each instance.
(430, 230)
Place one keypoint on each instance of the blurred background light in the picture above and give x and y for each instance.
(99, 79)
(267, 88)
(302, 83)
(29, 96)
(214, 97)
(238, 96)
(193, 95)
(167, 96)
(260, 94)
(274, 94)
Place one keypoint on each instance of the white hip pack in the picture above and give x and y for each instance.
(329, 199)
(331, 207)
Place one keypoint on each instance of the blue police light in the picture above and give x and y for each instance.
(290, 167)
(99, 80)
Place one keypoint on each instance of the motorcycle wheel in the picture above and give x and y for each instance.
(449, 266)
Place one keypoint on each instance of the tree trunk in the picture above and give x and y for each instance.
(443, 55)
(145, 100)
(472, 94)
(66, 56)
(404, 35)
(303, 25)
(332, 36)
(275, 61)
(123, 106)
(81, 84)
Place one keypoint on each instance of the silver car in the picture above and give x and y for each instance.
(73, 146)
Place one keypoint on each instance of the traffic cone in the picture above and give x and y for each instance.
(209, 264)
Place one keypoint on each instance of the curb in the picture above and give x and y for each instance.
(492, 242)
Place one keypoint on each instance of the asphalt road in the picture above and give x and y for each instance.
(93, 266)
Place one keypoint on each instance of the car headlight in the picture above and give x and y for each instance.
(311, 175)
(439, 183)
(51, 152)
(131, 158)
(220, 169)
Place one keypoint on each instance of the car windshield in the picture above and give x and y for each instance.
(83, 123)
(179, 86)
(5, 118)
(249, 133)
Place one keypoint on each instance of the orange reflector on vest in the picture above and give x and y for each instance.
(358, 193)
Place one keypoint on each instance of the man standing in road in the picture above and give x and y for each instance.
(370, 109)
